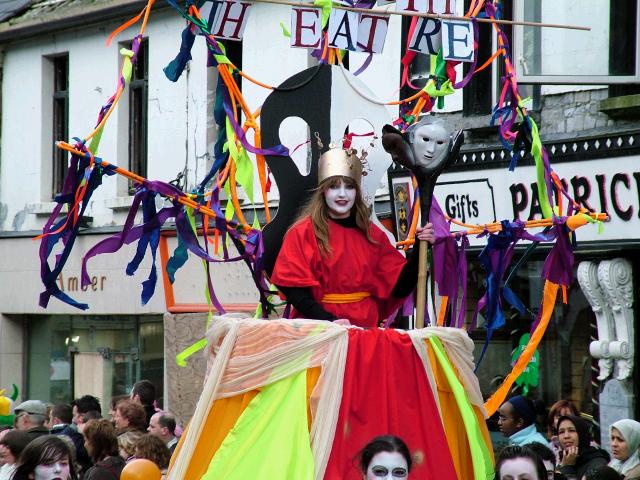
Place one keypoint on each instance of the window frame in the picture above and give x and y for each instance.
(138, 128)
(59, 124)
(523, 78)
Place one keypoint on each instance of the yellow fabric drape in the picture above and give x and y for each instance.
(270, 439)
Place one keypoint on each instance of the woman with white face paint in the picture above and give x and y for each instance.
(519, 463)
(385, 458)
(46, 458)
(335, 264)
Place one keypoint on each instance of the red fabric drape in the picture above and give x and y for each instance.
(386, 391)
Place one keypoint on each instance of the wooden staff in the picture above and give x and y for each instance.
(438, 16)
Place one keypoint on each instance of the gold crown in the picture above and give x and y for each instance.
(343, 162)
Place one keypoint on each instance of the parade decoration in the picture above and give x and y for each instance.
(7, 416)
(328, 30)
(531, 374)
(299, 397)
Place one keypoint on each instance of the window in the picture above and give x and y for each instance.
(608, 54)
(60, 120)
(138, 113)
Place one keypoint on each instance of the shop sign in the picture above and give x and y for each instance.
(607, 185)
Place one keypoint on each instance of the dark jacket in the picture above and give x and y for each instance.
(82, 457)
(36, 432)
(588, 457)
(108, 469)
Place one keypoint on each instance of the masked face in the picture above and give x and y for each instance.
(55, 471)
(340, 198)
(387, 466)
(430, 144)
(518, 469)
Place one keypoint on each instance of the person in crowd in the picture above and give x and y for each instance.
(163, 426)
(558, 409)
(518, 462)
(152, 448)
(47, 416)
(625, 441)
(47, 457)
(577, 456)
(602, 473)
(114, 403)
(547, 456)
(516, 420)
(334, 263)
(83, 418)
(130, 416)
(101, 442)
(30, 417)
(127, 445)
(84, 404)
(385, 457)
(60, 420)
(11, 446)
(144, 393)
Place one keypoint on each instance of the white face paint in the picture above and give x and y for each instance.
(56, 471)
(340, 198)
(387, 466)
(430, 144)
(518, 469)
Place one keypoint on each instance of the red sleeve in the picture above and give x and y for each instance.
(390, 263)
(297, 261)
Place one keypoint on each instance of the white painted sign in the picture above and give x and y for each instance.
(372, 32)
(457, 40)
(343, 30)
(227, 18)
(306, 27)
(427, 37)
(607, 185)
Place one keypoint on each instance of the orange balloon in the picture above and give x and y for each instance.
(141, 469)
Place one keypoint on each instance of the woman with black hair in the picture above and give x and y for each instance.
(385, 458)
(521, 463)
(577, 456)
(46, 458)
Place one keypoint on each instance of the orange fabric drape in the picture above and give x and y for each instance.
(222, 417)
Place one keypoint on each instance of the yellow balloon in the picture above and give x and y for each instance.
(141, 469)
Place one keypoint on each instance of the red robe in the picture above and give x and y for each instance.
(354, 265)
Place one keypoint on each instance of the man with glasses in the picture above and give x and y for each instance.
(516, 420)
(30, 417)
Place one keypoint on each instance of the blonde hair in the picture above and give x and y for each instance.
(127, 441)
(318, 211)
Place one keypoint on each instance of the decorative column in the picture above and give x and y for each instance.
(608, 286)
(616, 279)
(588, 280)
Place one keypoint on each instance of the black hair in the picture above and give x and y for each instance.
(63, 411)
(86, 404)
(44, 450)
(602, 472)
(384, 443)
(145, 390)
(516, 451)
(543, 452)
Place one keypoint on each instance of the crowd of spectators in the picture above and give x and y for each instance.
(73, 441)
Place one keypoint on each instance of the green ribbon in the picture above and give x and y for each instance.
(327, 6)
(480, 456)
(127, 71)
(536, 151)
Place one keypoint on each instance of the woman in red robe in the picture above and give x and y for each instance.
(335, 264)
